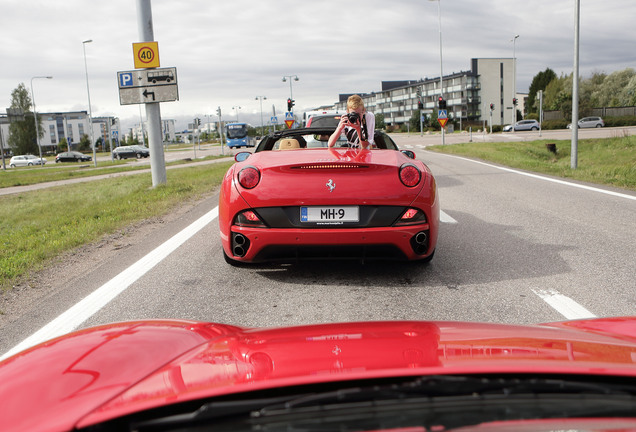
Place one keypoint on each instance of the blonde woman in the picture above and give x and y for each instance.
(358, 125)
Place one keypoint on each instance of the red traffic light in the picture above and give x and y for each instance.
(441, 103)
(290, 104)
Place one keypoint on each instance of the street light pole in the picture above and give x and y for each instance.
(262, 125)
(237, 108)
(514, 80)
(441, 69)
(295, 77)
(35, 117)
(90, 111)
(574, 145)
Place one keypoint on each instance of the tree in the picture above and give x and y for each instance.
(379, 121)
(614, 90)
(558, 95)
(85, 143)
(62, 146)
(539, 82)
(22, 133)
(415, 121)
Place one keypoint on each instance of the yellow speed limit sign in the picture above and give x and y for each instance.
(146, 55)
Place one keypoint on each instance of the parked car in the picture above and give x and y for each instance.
(72, 156)
(295, 199)
(26, 160)
(133, 151)
(589, 122)
(523, 125)
(169, 375)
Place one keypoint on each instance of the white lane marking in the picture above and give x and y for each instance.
(536, 176)
(564, 305)
(92, 303)
(445, 218)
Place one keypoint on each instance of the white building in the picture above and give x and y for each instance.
(168, 130)
(70, 125)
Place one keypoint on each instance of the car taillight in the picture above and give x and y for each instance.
(410, 175)
(411, 216)
(249, 177)
(249, 218)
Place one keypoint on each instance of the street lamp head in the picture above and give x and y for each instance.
(284, 79)
(87, 41)
(296, 78)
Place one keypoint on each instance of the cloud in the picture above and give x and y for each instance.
(227, 53)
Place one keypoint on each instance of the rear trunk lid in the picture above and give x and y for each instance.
(330, 177)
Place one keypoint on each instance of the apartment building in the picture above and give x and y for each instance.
(468, 95)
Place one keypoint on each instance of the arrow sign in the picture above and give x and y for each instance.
(146, 93)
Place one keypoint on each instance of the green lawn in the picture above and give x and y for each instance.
(608, 161)
(38, 226)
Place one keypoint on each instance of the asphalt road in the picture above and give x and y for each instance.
(513, 248)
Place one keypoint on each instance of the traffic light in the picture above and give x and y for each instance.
(492, 106)
(441, 103)
(218, 111)
(290, 104)
(514, 101)
(420, 105)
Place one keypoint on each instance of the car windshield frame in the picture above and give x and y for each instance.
(382, 140)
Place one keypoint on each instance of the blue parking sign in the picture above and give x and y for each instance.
(125, 79)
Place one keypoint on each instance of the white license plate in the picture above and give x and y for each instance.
(329, 214)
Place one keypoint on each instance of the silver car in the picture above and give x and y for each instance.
(523, 125)
(26, 160)
(589, 122)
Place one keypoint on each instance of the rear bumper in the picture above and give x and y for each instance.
(285, 245)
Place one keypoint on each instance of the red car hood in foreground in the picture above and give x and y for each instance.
(105, 372)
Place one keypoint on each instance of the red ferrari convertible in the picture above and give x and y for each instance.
(406, 376)
(295, 199)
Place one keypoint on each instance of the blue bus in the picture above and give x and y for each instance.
(236, 134)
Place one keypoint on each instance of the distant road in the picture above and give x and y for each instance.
(478, 136)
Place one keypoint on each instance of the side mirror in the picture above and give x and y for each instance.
(409, 153)
(241, 156)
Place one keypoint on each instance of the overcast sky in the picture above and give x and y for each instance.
(229, 52)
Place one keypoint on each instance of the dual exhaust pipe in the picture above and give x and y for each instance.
(419, 242)
(240, 245)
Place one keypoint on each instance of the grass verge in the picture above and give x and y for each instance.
(607, 161)
(25, 176)
(38, 226)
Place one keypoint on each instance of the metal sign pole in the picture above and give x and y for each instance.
(153, 112)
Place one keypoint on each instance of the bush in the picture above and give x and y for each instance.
(554, 124)
(619, 121)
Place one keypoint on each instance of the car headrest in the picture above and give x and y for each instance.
(288, 143)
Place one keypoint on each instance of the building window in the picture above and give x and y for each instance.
(52, 132)
(59, 121)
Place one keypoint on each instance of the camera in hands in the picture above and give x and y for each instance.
(353, 117)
